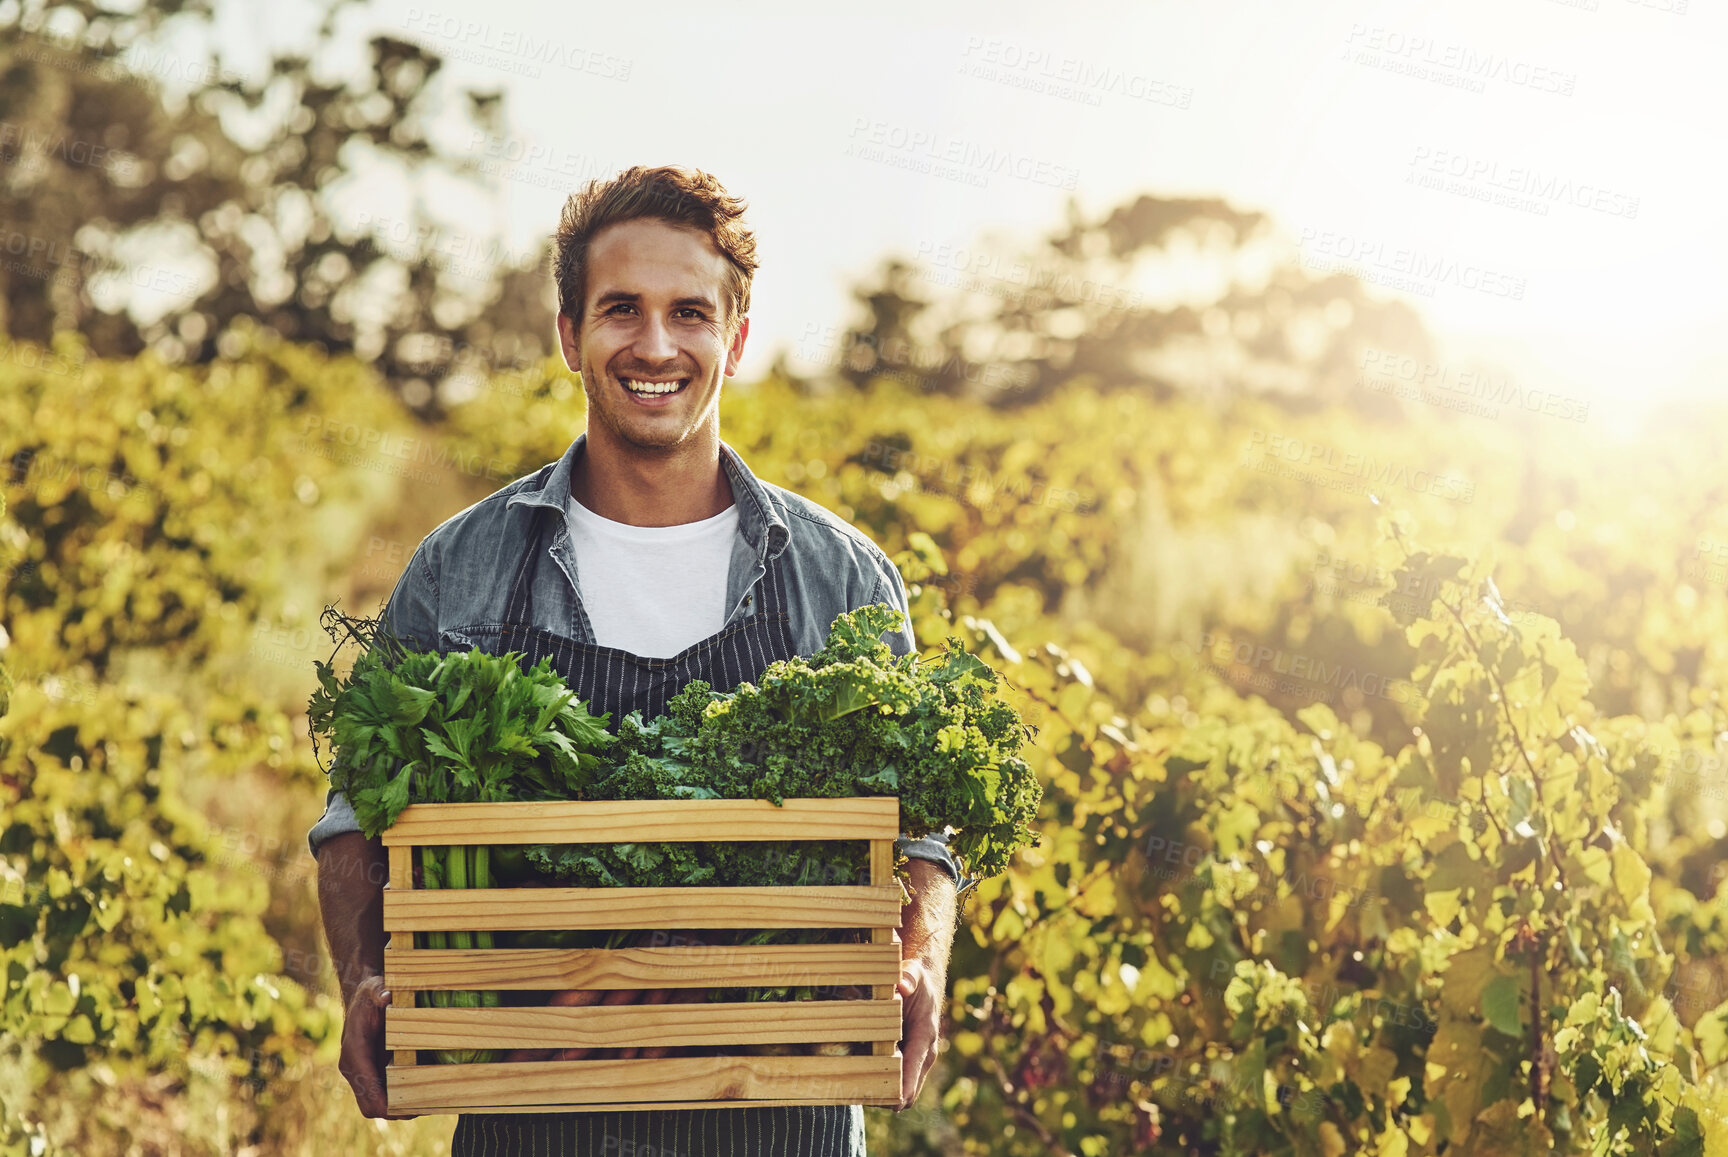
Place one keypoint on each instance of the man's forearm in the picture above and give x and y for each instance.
(927, 923)
(351, 875)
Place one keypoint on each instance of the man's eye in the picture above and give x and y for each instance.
(693, 312)
(619, 306)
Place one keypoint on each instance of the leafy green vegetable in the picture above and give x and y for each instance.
(418, 727)
(852, 719)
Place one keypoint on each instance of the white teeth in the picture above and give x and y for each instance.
(651, 387)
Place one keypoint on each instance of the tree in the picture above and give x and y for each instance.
(1103, 300)
(144, 216)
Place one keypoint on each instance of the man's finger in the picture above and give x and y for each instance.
(918, 1058)
(363, 1058)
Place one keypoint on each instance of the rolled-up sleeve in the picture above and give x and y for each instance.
(411, 615)
(338, 817)
(934, 847)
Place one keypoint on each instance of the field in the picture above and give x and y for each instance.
(1382, 747)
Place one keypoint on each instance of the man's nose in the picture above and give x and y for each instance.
(654, 341)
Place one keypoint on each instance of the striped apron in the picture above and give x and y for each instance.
(611, 680)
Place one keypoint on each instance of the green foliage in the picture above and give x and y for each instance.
(153, 516)
(1252, 923)
(420, 727)
(851, 719)
(1190, 824)
(1317, 958)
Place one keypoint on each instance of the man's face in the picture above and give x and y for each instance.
(653, 348)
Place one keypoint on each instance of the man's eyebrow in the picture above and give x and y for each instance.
(616, 295)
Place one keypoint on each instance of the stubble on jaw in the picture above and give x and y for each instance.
(597, 387)
(602, 408)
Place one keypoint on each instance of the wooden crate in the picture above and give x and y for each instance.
(643, 1083)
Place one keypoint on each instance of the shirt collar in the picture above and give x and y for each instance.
(759, 519)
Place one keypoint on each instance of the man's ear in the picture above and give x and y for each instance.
(736, 351)
(570, 343)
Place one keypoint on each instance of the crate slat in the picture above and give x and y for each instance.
(623, 1025)
(401, 943)
(882, 872)
(633, 821)
(504, 909)
(643, 1083)
(661, 1106)
(477, 1087)
(694, 966)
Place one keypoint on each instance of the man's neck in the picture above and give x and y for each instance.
(622, 483)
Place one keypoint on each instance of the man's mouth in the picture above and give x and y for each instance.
(646, 388)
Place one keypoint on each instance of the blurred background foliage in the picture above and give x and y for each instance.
(1347, 848)
(159, 197)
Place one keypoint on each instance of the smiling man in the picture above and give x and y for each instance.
(647, 556)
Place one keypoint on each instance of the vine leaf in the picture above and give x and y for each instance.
(1500, 1005)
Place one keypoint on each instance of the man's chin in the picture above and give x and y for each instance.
(651, 438)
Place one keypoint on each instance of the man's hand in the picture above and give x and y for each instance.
(921, 1011)
(926, 936)
(351, 874)
(363, 1056)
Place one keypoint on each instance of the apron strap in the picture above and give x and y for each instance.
(518, 610)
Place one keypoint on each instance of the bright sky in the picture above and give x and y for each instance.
(1596, 123)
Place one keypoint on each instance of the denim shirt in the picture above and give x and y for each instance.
(459, 573)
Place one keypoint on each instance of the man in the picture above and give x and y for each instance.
(665, 560)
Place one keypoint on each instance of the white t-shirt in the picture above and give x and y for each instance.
(652, 590)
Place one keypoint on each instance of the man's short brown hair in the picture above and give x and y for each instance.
(687, 197)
